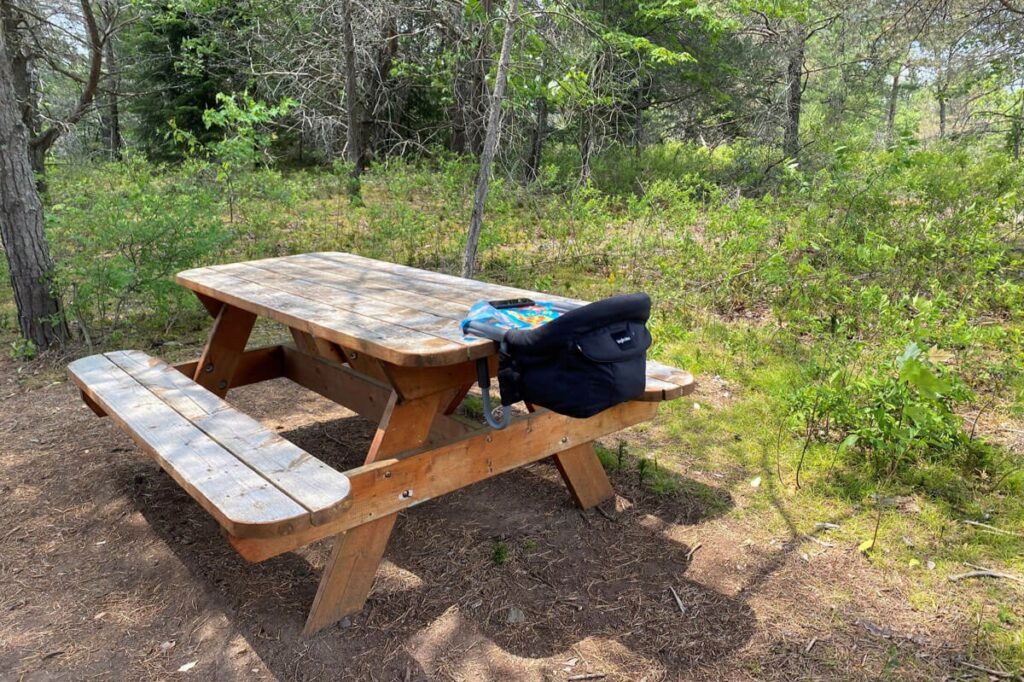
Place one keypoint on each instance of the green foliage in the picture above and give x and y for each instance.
(846, 265)
(896, 418)
(120, 234)
(499, 553)
(177, 68)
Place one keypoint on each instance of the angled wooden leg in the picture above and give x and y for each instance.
(223, 350)
(348, 576)
(583, 474)
(349, 573)
(405, 425)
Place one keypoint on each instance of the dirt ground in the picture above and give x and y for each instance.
(109, 571)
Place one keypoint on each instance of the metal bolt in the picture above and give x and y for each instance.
(208, 368)
(488, 439)
(407, 494)
(565, 439)
(387, 474)
(222, 384)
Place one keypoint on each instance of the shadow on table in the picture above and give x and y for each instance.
(476, 581)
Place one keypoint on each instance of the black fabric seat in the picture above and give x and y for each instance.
(585, 361)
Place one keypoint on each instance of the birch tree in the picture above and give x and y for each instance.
(483, 179)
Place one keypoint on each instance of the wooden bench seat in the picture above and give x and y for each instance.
(255, 483)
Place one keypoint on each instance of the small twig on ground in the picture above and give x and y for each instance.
(689, 555)
(606, 514)
(823, 525)
(820, 542)
(587, 676)
(810, 645)
(992, 529)
(982, 572)
(995, 673)
(679, 602)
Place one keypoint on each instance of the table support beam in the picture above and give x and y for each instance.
(217, 364)
(387, 486)
(584, 476)
(348, 575)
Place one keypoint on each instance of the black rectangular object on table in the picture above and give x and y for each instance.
(585, 361)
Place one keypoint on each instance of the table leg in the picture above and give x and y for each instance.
(223, 350)
(583, 474)
(349, 573)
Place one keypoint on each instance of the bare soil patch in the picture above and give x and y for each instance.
(110, 571)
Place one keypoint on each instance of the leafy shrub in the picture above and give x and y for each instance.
(121, 233)
(894, 418)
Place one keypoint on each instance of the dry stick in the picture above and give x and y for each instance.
(689, 555)
(679, 602)
(982, 572)
(807, 439)
(588, 676)
(995, 673)
(992, 529)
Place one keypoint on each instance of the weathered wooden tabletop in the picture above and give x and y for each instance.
(398, 314)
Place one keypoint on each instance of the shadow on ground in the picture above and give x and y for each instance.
(502, 580)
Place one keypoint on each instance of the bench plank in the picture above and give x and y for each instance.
(241, 500)
(304, 478)
(255, 483)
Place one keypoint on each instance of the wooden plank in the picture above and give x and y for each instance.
(367, 284)
(224, 349)
(303, 340)
(243, 502)
(254, 366)
(584, 476)
(671, 375)
(404, 425)
(465, 290)
(388, 486)
(302, 477)
(96, 409)
(380, 339)
(211, 304)
(350, 298)
(357, 392)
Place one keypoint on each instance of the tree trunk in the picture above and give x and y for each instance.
(374, 80)
(490, 141)
(24, 79)
(794, 97)
(533, 160)
(21, 221)
(942, 116)
(353, 141)
(476, 121)
(111, 115)
(1018, 130)
(894, 93)
(586, 145)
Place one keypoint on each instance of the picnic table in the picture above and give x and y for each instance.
(384, 341)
